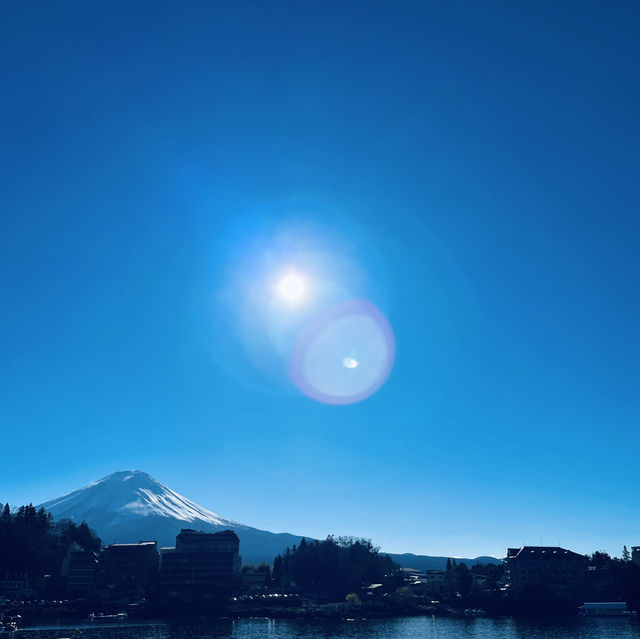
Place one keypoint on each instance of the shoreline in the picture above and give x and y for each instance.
(83, 624)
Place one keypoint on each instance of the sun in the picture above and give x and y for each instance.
(292, 288)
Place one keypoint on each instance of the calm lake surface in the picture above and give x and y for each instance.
(401, 628)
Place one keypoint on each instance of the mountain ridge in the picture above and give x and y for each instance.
(130, 505)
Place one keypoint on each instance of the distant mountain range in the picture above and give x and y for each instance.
(130, 506)
(426, 562)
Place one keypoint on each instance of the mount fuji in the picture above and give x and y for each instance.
(130, 506)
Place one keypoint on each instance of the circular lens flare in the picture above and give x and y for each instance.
(344, 355)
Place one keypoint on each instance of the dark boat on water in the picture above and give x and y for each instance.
(120, 616)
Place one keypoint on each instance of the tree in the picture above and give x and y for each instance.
(449, 578)
(464, 579)
(31, 542)
(335, 566)
(494, 574)
(86, 538)
(626, 555)
(601, 560)
(278, 573)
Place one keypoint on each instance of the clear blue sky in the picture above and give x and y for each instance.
(481, 160)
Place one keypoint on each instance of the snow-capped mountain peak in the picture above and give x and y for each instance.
(131, 494)
(130, 506)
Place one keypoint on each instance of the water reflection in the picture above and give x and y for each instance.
(401, 628)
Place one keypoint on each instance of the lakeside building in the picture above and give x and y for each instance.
(13, 582)
(411, 575)
(605, 609)
(413, 578)
(201, 563)
(549, 569)
(128, 569)
(251, 579)
(437, 581)
(79, 567)
(635, 555)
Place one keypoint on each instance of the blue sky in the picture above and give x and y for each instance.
(477, 162)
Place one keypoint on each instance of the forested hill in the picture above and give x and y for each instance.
(425, 562)
(31, 541)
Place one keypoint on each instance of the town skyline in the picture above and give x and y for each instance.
(48, 554)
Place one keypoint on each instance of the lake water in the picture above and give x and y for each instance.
(400, 628)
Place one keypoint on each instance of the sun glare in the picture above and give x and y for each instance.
(292, 288)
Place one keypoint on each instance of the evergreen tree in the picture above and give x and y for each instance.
(30, 541)
(336, 566)
(464, 579)
(626, 555)
(278, 574)
(86, 538)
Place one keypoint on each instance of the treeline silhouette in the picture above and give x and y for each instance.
(334, 567)
(614, 579)
(31, 541)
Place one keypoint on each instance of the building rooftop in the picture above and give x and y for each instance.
(138, 545)
(541, 551)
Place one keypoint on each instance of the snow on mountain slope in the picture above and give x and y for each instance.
(132, 494)
(130, 506)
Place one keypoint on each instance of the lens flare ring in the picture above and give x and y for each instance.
(344, 355)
